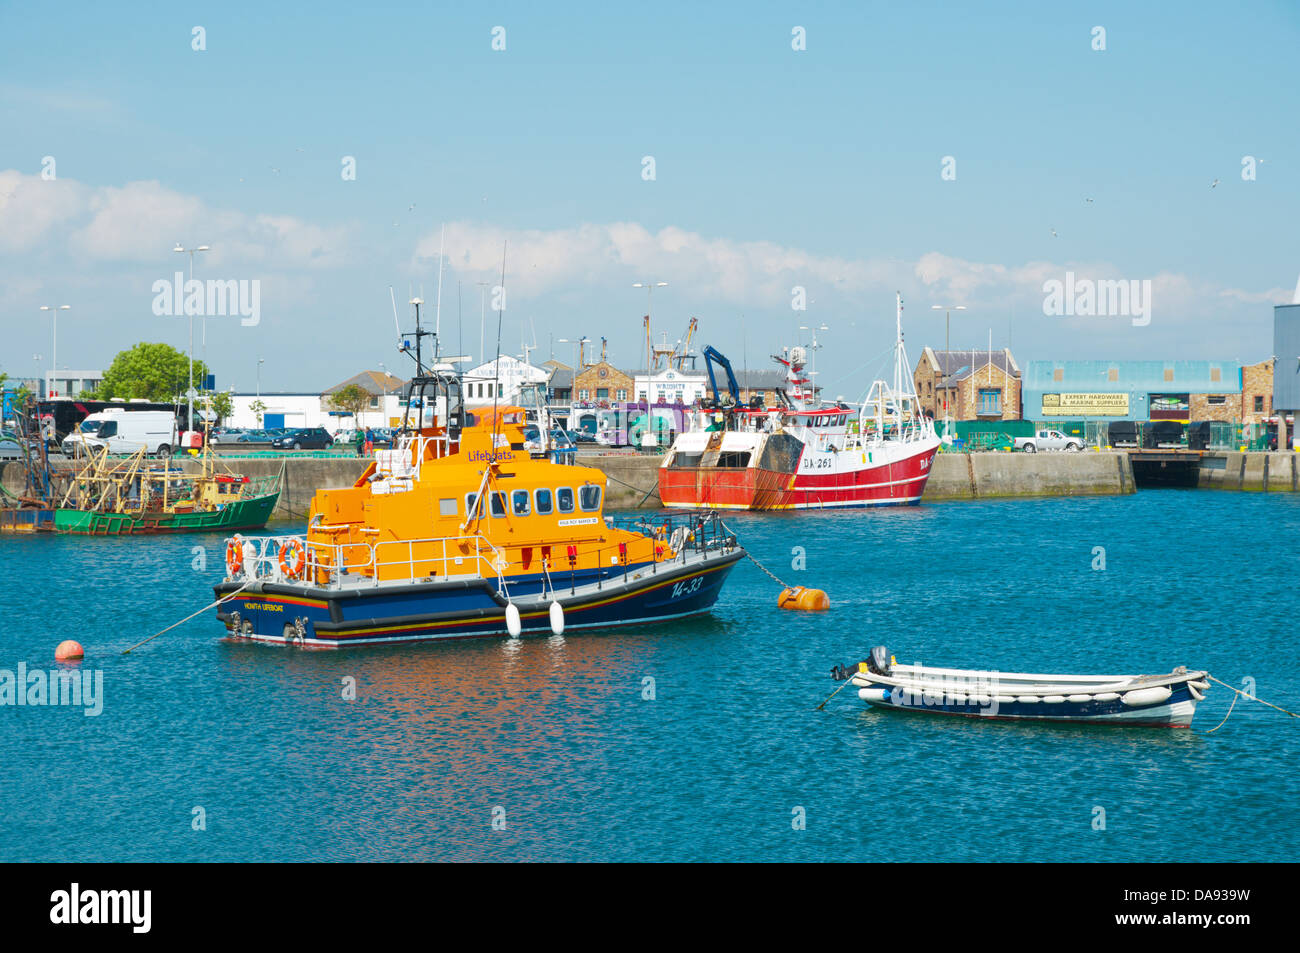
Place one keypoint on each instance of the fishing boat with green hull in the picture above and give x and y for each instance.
(128, 497)
(240, 514)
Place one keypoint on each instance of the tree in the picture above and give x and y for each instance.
(257, 407)
(350, 399)
(219, 402)
(155, 372)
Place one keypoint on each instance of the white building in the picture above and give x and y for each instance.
(280, 410)
(670, 386)
(66, 383)
(383, 408)
(483, 385)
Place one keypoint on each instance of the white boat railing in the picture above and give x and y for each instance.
(335, 565)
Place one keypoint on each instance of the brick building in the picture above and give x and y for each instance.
(602, 382)
(1257, 392)
(968, 385)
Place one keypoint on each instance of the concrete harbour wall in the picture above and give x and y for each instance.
(1277, 472)
(971, 476)
(633, 478)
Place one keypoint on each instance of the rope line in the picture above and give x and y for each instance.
(225, 598)
(1225, 717)
(1251, 697)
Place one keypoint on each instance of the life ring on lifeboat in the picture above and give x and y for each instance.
(293, 559)
(234, 555)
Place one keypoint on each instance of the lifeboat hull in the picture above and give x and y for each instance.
(427, 612)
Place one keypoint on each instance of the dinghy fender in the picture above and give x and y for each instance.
(513, 623)
(1147, 696)
(874, 694)
(557, 618)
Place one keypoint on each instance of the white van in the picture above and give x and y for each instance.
(124, 431)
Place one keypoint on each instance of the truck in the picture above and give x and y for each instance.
(124, 431)
(1048, 440)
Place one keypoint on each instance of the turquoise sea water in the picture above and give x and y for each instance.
(553, 735)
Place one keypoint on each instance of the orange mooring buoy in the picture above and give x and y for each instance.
(804, 599)
(68, 651)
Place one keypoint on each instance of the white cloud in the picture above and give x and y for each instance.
(739, 272)
(32, 207)
(140, 221)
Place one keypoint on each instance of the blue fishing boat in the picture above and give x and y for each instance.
(1157, 700)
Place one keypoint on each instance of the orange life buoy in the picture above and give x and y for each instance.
(234, 555)
(294, 550)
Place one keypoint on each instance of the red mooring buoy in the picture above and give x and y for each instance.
(69, 650)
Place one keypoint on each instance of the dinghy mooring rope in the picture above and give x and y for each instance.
(225, 598)
(1241, 694)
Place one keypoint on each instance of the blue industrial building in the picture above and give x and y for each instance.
(1286, 348)
(1132, 390)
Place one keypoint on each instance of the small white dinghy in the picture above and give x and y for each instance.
(1161, 700)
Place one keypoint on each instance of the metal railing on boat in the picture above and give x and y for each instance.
(667, 539)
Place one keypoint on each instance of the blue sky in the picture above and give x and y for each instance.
(773, 168)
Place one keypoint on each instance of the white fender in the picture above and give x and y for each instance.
(513, 625)
(557, 618)
(1106, 696)
(1147, 696)
(1053, 699)
(874, 694)
(1078, 698)
(1006, 699)
(1028, 699)
(1197, 694)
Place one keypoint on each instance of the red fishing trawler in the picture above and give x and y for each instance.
(802, 453)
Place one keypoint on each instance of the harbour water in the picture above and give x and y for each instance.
(692, 740)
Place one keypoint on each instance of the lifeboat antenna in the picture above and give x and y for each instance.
(437, 321)
(496, 364)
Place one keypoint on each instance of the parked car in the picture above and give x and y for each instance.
(225, 435)
(1048, 440)
(307, 438)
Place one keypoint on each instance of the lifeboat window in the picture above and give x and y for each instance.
(544, 503)
(473, 507)
(519, 503)
(589, 497)
(564, 499)
(447, 507)
(498, 504)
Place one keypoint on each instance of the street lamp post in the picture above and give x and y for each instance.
(189, 394)
(649, 287)
(947, 346)
(54, 313)
(578, 344)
